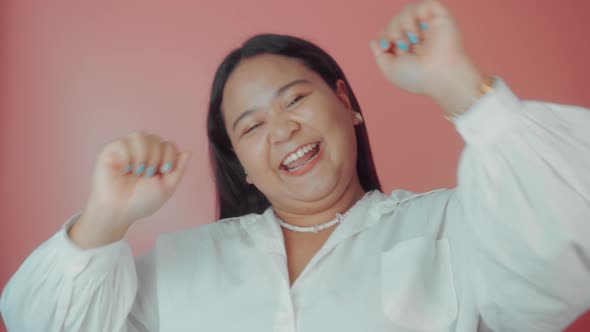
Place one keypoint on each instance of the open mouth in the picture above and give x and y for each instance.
(300, 158)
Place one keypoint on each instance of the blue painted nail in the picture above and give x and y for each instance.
(402, 45)
(412, 38)
(166, 167)
(128, 169)
(139, 169)
(150, 171)
(384, 44)
(423, 25)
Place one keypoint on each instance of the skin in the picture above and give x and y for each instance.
(306, 111)
(437, 67)
(272, 105)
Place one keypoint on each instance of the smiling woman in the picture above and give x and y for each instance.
(270, 89)
(308, 241)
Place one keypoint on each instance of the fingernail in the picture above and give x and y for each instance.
(128, 169)
(139, 169)
(412, 38)
(166, 167)
(402, 45)
(150, 171)
(384, 44)
(423, 25)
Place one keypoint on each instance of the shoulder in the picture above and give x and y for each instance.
(198, 237)
(409, 199)
(412, 213)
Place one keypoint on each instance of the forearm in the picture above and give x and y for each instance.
(522, 198)
(66, 281)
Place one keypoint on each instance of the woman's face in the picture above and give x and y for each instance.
(292, 133)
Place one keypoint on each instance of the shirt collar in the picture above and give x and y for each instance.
(267, 235)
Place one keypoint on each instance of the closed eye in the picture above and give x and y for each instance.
(251, 128)
(294, 101)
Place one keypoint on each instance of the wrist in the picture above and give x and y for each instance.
(459, 88)
(94, 229)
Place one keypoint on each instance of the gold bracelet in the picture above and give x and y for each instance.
(485, 85)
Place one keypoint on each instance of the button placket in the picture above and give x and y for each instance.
(285, 316)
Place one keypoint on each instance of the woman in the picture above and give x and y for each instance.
(309, 242)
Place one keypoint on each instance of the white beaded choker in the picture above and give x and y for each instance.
(321, 227)
(314, 228)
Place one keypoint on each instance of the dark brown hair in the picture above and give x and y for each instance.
(235, 197)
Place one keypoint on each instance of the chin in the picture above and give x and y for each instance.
(318, 188)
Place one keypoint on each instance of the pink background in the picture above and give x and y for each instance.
(75, 75)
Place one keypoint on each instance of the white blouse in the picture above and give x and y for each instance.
(508, 249)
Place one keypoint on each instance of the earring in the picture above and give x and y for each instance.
(358, 116)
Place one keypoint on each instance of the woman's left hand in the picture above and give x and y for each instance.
(421, 51)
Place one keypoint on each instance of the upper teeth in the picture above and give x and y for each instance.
(299, 153)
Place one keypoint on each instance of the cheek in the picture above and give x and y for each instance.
(333, 120)
(252, 155)
(341, 139)
(329, 115)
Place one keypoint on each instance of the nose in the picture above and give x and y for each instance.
(282, 129)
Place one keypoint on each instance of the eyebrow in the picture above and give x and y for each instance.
(280, 91)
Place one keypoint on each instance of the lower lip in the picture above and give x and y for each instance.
(310, 164)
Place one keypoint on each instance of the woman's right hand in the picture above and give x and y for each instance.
(132, 178)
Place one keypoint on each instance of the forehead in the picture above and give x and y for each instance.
(256, 79)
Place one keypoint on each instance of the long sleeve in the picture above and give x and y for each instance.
(523, 203)
(61, 287)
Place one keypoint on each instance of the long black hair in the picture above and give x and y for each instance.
(235, 197)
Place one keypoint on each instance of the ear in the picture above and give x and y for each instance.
(247, 178)
(342, 94)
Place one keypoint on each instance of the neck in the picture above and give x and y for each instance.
(351, 195)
